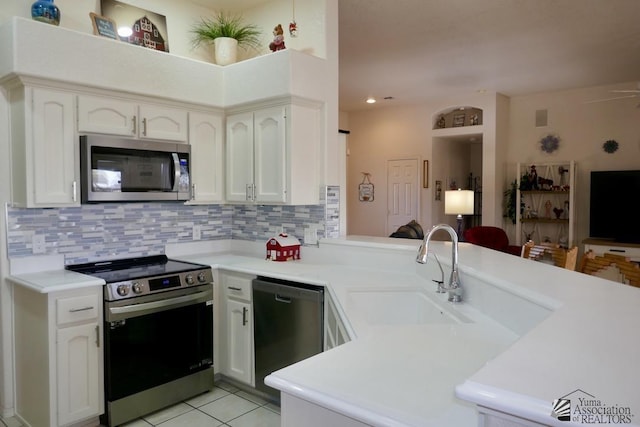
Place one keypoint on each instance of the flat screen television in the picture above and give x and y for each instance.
(613, 200)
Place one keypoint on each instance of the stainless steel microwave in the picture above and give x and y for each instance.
(132, 170)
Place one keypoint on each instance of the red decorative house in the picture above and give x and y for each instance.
(283, 248)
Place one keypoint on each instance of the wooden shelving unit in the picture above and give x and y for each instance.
(546, 209)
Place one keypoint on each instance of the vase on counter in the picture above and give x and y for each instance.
(45, 11)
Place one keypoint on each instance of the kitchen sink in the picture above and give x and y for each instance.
(401, 307)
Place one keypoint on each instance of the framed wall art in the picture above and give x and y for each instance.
(365, 189)
(425, 174)
(438, 192)
(137, 26)
(103, 26)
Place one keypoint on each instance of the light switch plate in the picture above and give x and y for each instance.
(310, 236)
(197, 232)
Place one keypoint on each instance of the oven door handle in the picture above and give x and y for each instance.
(157, 305)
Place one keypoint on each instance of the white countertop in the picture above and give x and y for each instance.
(538, 333)
(55, 280)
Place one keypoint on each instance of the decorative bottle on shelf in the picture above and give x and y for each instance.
(45, 11)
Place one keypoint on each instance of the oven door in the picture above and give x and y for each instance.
(153, 340)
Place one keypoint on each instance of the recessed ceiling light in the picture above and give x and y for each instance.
(371, 100)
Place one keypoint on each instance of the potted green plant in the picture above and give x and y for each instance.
(226, 32)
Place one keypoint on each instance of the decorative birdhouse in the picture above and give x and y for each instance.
(283, 248)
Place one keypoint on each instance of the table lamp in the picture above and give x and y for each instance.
(458, 202)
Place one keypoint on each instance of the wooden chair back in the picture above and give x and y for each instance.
(612, 267)
(553, 253)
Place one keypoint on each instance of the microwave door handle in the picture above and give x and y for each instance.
(176, 168)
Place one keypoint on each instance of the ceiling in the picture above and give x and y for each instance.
(420, 50)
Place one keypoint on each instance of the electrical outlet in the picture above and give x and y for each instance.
(310, 236)
(38, 244)
(197, 232)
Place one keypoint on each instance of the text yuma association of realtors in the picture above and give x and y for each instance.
(593, 411)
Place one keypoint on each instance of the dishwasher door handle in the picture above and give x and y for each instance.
(286, 300)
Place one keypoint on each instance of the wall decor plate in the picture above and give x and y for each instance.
(549, 143)
(610, 146)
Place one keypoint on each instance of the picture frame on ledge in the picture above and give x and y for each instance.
(143, 27)
(104, 27)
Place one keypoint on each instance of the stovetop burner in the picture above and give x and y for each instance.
(133, 277)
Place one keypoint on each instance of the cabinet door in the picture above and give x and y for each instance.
(270, 155)
(107, 115)
(54, 154)
(239, 341)
(165, 123)
(207, 164)
(78, 373)
(239, 146)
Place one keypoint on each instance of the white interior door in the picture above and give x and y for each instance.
(402, 193)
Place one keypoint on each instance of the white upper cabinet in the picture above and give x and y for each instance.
(256, 156)
(44, 152)
(114, 116)
(206, 136)
(274, 155)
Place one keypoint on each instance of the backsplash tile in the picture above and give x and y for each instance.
(108, 231)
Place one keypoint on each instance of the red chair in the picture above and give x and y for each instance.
(492, 238)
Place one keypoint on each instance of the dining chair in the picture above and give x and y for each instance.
(612, 267)
(551, 253)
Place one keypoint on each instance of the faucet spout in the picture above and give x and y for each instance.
(454, 286)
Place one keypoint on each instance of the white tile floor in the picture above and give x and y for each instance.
(225, 405)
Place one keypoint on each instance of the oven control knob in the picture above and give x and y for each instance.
(122, 290)
(202, 277)
(189, 279)
(137, 288)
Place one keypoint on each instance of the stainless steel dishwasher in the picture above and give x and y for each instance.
(288, 325)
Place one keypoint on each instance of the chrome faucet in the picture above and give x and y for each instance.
(454, 287)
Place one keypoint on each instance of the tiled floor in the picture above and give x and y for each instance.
(225, 405)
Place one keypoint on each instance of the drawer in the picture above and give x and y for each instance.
(77, 309)
(238, 287)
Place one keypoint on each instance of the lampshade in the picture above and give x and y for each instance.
(458, 202)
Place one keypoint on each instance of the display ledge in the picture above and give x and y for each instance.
(32, 49)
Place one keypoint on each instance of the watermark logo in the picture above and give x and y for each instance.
(585, 408)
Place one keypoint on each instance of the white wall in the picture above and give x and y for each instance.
(582, 128)
(382, 133)
(391, 132)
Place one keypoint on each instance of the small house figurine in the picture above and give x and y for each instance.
(283, 248)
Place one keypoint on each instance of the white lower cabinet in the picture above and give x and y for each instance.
(299, 412)
(59, 362)
(78, 369)
(335, 332)
(236, 341)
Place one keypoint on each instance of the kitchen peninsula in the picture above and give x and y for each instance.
(536, 333)
(517, 342)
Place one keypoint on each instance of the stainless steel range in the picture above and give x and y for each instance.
(158, 333)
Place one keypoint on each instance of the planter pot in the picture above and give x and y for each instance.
(226, 50)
